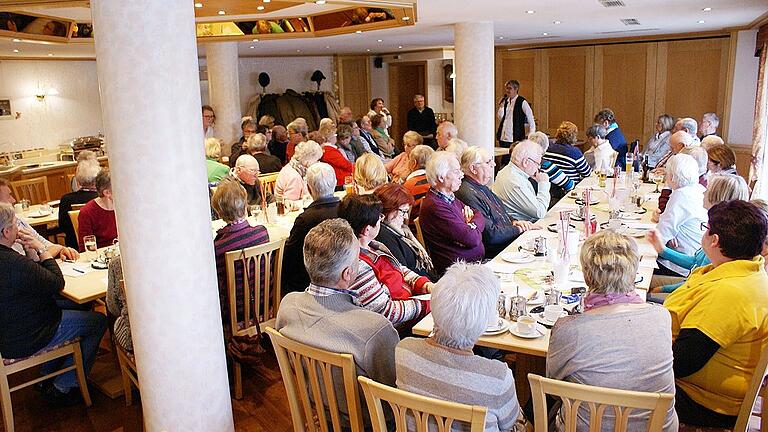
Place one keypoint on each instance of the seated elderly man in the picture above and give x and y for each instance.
(477, 165)
(443, 365)
(58, 251)
(256, 146)
(452, 231)
(248, 126)
(324, 315)
(514, 188)
(446, 131)
(321, 182)
(382, 283)
(30, 319)
(246, 174)
(689, 126)
(278, 143)
(677, 141)
(86, 173)
(720, 318)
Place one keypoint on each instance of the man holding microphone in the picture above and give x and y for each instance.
(513, 112)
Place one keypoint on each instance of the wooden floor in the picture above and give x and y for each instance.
(264, 407)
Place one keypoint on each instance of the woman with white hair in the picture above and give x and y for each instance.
(216, 169)
(452, 230)
(370, 173)
(399, 167)
(463, 301)
(416, 183)
(457, 147)
(700, 156)
(500, 230)
(256, 146)
(635, 354)
(290, 182)
(679, 226)
(86, 173)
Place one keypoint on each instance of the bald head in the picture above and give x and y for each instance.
(679, 140)
(445, 132)
(247, 169)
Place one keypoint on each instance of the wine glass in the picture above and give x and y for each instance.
(657, 178)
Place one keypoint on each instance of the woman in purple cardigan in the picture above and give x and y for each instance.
(452, 231)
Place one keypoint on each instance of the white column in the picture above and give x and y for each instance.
(150, 98)
(474, 66)
(224, 88)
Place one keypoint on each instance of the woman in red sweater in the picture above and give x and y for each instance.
(334, 157)
(97, 218)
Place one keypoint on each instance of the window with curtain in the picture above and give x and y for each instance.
(758, 173)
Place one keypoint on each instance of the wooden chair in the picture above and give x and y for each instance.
(11, 366)
(73, 217)
(261, 308)
(128, 373)
(597, 399)
(34, 189)
(268, 182)
(423, 409)
(299, 364)
(419, 233)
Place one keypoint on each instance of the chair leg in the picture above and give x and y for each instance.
(127, 390)
(81, 375)
(5, 395)
(238, 376)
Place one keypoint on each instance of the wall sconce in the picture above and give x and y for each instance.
(40, 94)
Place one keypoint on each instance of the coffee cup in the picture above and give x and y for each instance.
(552, 312)
(18, 208)
(526, 324)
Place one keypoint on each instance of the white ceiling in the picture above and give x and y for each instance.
(579, 19)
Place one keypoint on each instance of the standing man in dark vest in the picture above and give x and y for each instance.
(513, 113)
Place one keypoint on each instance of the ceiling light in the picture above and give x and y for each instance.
(379, 40)
(50, 54)
(320, 2)
(327, 47)
(501, 37)
(198, 5)
(255, 40)
(15, 50)
(400, 46)
(707, 9)
(17, 40)
(405, 18)
(701, 21)
(298, 50)
(556, 22)
(530, 12)
(221, 12)
(367, 50)
(251, 47)
(266, 1)
(259, 7)
(359, 31)
(545, 34)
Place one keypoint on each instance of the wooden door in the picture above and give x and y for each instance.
(405, 81)
(354, 80)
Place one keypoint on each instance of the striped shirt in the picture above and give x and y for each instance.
(569, 159)
(556, 176)
(236, 236)
(424, 367)
(417, 185)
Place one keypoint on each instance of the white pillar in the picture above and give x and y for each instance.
(474, 102)
(224, 89)
(150, 97)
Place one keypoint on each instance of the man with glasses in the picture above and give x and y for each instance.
(421, 119)
(209, 119)
(246, 172)
(515, 190)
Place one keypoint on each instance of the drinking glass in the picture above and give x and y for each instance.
(658, 179)
(349, 185)
(280, 204)
(90, 243)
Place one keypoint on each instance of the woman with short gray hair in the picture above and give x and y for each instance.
(87, 170)
(658, 144)
(636, 354)
(463, 301)
(600, 156)
(290, 182)
(256, 146)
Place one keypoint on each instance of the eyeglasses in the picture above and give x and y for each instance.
(535, 161)
(404, 212)
(209, 116)
(704, 226)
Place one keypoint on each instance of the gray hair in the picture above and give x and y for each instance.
(473, 156)
(307, 151)
(597, 131)
(329, 248)
(294, 127)
(525, 149)
(699, 154)
(682, 170)
(7, 215)
(420, 155)
(248, 122)
(690, 125)
(609, 261)
(540, 138)
(713, 119)
(457, 147)
(726, 187)
(463, 301)
(256, 143)
(85, 155)
(87, 170)
(417, 97)
(212, 148)
(448, 128)
(438, 166)
(321, 180)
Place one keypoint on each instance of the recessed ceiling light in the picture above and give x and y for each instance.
(530, 12)
(255, 40)
(320, 2)
(50, 54)
(327, 47)
(15, 50)
(379, 40)
(400, 46)
(259, 7)
(198, 5)
(545, 34)
(298, 50)
(367, 50)
(701, 21)
(221, 12)
(556, 22)
(266, 1)
(251, 47)
(359, 31)
(501, 37)
(406, 18)
(707, 9)
(17, 40)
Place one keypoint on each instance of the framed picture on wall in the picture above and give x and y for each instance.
(5, 108)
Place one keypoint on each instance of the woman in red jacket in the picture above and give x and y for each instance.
(334, 157)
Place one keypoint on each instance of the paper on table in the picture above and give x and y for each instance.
(502, 267)
(640, 225)
(74, 269)
(648, 262)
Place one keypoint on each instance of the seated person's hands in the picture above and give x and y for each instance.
(653, 238)
(69, 254)
(525, 225)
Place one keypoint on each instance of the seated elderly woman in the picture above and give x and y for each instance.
(557, 177)
(400, 166)
(395, 234)
(385, 144)
(462, 302)
(721, 159)
(679, 226)
(97, 218)
(720, 318)
(216, 169)
(333, 156)
(457, 147)
(256, 146)
(230, 201)
(658, 143)
(600, 156)
(724, 187)
(290, 182)
(566, 155)
(452, 231)
(86, 173)
(636, 354)
(370, 173)
(700, 156)
(344, 143)
(416, 183)
(382, 284)
(500, 230)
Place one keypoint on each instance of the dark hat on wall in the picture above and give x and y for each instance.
(263, 79)
(317, 76)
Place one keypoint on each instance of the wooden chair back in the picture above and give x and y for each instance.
(34, 189)
(73, 217)
(597, 400)
(757, 387)
(12, 366)
(268, 182)
(419, 233)
(423, 409)
(308, 377)
(77, 206)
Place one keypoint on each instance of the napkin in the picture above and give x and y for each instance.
(75, 269)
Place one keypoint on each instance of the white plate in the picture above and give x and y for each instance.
(38, 214)
(637, 233)
(541, 331)
(518, 257)
(631, 216)
(503, 325)
(540, 318)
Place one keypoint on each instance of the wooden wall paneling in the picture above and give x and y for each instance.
(743, 160)
(565, 84)
(521, 66)
(659, 97)
(590, 88)
(354, 78)
(538, 88)
(650, 115)
(623, 84)
(544, 100)
(726, 113)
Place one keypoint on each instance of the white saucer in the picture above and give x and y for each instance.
(502, 327)
(541, 331)
(38, 214)
(518, 257)
(540, 318)
(99, 265)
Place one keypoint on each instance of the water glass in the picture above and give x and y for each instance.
(90, 243)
